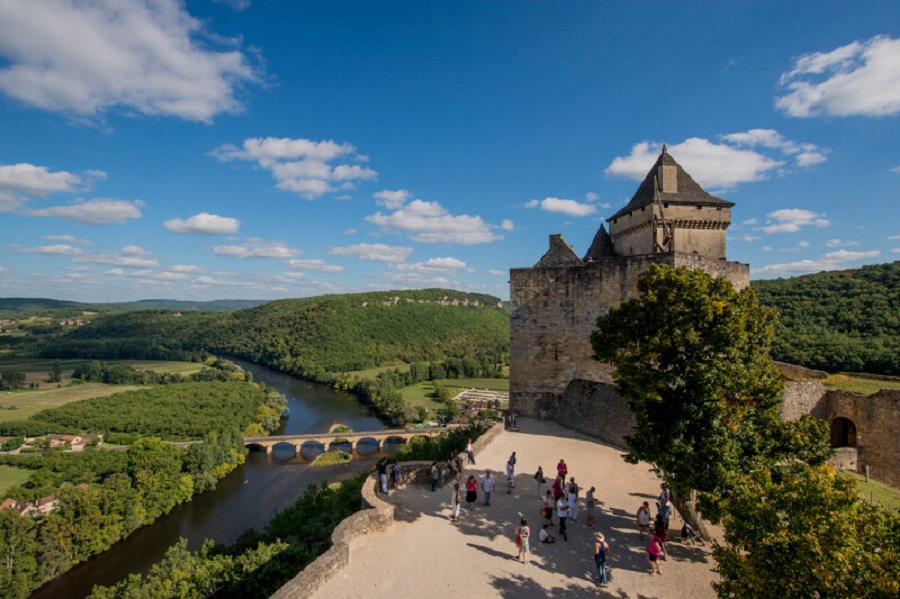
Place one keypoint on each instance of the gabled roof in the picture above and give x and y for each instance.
(689, 192)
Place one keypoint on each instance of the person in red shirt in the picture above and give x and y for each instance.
(561, 469)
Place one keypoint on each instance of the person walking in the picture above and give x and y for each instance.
(562, 510)
(539, 477)
(471, 452)
(510, 478)
(589, 504)
(600, 549)
(435, 476)
(562, 470)
(487, 485)
(662, 533)
(643, 519)
(512, 461)
(471, 491)
(455, 501)
(523, 534)
(654, 550)
(573, 501)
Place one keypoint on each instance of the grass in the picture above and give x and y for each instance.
(876, 491)
(332, 458)
(28, 403)
(162, 366)
(490, 384)
(11, 477)
(373, 373)
(38, 370)
(421, 394)
(843, 382)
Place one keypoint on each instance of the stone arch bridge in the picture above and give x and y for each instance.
(326, 439)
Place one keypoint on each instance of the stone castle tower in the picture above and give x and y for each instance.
(555, 304)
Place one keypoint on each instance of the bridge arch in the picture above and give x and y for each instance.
(367, 446)
(258, 447)
(311, 449)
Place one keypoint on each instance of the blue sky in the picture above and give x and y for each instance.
(266, 148)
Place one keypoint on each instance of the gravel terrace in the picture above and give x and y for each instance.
(424, 554)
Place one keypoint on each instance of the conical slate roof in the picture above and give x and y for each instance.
(689, 192)
(601, 247)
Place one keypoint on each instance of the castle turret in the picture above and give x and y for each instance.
(670, 212)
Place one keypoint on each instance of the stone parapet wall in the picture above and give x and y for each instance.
(803, 397)
(376, 515)
(877, 421)
(595, 409)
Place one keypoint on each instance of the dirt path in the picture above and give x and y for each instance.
(425, 555)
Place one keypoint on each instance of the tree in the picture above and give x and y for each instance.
(811, 531)
(56, 372)
(691, 358)
(12, 379)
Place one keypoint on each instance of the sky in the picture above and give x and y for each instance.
(264, 149)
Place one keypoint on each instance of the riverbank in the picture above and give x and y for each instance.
(423, 554)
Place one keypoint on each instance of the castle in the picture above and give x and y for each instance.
(554, 307)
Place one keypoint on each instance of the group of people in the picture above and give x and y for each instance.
(659, 535)
(389, 474)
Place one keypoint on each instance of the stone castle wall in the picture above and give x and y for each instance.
(554, 310)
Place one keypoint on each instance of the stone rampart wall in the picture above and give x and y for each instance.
(596, 410)
(376, 515)
(803, 397)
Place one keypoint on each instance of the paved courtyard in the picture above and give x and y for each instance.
(425, 555)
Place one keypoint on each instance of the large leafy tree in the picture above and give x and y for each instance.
(692, 360)
(797, 531)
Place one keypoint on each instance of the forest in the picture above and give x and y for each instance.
(841, 321)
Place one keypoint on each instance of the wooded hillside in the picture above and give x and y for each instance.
(845, 320)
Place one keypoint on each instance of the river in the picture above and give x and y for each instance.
(246, 498)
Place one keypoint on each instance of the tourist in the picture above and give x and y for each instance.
(398, 474)
(512, 461)
(510, 478)
(661, 532)
(689, 535)
(382, 474)
(454, 502)
(539, 477)
(471, 491)
(589, 503)
(547, 509)
(487, 485)
(562, 470)
(665, 495)
(643, 519)
(523, 533)
(471, 451)
(562, 510)
(545, 535)
(665, 513)
(557, 488)
(600, 549)
(573, 501)
(453, 465)
(435, 476)
(654, 550)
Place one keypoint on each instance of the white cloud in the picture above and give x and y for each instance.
(507, 225)
(254, 247)
(498, 273)
(204, 224)
(896, 169)
(429, 222)
(60, 249)
(302, 165)
(38, 181)
(749, 238)
(314, 265)
(392, 199)
(446, 266)
(789, 220)
(893, 238)
(373, 252)
(129, 257)
(185, 268)
(803, 244)
(414, 279)
(591, 196)
(99, 211)
(836, 243)
(350, 232)
(721, 166)
(568, 207)
(67, 239)
(84, 58)
(895, 251)
(830, 261)
(861, 78)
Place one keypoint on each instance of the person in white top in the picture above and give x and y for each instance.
(487, 485)
(510, 477)
(562, 510)
(471, 451)
(573, 501)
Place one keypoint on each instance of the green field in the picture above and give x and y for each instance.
(37, 371)
(875, 491)
(421, 395)
(859, 385)
(28, 402)
(161, 366)
(373, 373)
(490, 384)
(10, 477)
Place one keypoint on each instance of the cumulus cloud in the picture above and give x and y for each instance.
(414, 279)
(143, 56)
(129, 257)
(391, 199)
(254, 247)
(203, 224)
(507, 225)
(99, 211)
(789, 220)
(836, 243)
(893, 237)
(830, 261)
(67, 239)
(429, 222)
(743, 157)
(21, 182)
(447, 266)
(373, 252)
(314, 265)
(185, 268)
(567, 207)
(302, 165)
(861, 78)
(498, 273)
